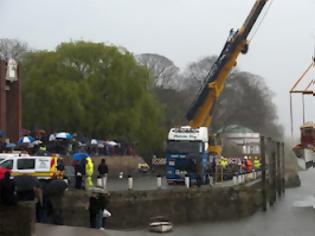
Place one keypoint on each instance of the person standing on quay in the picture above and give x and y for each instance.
(103, 171)
(89, 170)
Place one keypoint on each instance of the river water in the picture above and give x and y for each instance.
(294, 215)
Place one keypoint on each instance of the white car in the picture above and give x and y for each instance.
(43, 167)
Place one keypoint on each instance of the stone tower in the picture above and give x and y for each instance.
(10, 100)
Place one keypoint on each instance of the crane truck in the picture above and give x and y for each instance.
(190, 148)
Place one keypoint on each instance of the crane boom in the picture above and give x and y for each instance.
(200, 112)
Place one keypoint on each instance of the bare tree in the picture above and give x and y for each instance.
(246, 100)
(12, 48)
(196, 72)
(165, 72)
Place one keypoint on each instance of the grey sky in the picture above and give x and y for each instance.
(182, 30)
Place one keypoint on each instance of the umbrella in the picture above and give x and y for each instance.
(52, 137)
(25, 182)
(79, 156)
(10, 145)
(100, 145)
(111, 143)
(63, 135)
(26, 140)
(37, 142)
(56, 186)
(94, 142)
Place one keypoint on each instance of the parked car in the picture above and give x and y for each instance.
(143, 167)
(42, 167)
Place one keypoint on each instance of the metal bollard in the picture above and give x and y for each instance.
(121, 175)
(211, 180)
(159, 181)
(187, 181)
(130, 182)
(234, 179)
(243, 178)
(239, 178)
(254, 174)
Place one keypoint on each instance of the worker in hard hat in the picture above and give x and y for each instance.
(223, 163)
(89, 170)
(249, 165)
(257, 164)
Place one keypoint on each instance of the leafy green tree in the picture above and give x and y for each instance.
(92, 88)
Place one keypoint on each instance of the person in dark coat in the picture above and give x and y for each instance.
(55, 191)
(78, 174)
(94, 210)
(102, 168)
(7, 190)
(103, 201)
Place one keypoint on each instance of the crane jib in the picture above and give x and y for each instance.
(235, 40)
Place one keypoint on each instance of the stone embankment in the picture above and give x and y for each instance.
(135, 208)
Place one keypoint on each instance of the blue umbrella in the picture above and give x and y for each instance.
(79, 156)
(26, 140)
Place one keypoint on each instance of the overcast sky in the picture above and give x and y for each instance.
(182, 30)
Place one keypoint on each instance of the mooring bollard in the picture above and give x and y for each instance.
(159, 181)
(243, 178)
(211, 180)
(99, 181)
(187, 181)
(234, 179)
(239, 178)
(254, 174)
(121, 175)
(130, 182)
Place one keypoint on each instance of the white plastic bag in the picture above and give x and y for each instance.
(106, 213)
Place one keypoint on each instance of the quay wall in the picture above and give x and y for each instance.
(132, 209)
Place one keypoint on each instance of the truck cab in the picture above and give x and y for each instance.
(187, 154)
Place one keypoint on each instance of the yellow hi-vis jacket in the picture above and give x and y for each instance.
(89, 167)
(257, 164)
(223, 163)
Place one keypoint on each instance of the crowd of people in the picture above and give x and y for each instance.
(232, 166)
(49, 195)
(40, 142)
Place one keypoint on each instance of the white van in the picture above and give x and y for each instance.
(43, 167)
(8, 155)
